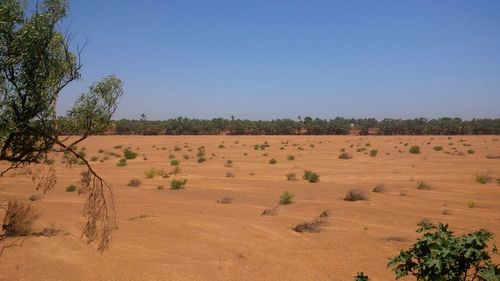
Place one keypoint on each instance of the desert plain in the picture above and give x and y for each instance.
(186, 234)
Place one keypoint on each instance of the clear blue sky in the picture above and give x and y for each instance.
(274, 59)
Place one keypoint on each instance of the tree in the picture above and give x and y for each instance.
(36, 64)
(441, 255)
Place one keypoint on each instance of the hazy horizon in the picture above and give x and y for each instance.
(269, 59)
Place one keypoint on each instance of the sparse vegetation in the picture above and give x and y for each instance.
(178, 184)
(71, 188)
(273, 161)
(314, 225)
(437, 148)
(19, 218)
(483, 178)
(310, 176)
(286, 198)
(423, 185)
(345, 156)
(414, 149)
(129, 154)
(373, 152)
(291, 176)
(174, 162)
(379, 188)
(355, 195)
(290, 157)
(134, 183)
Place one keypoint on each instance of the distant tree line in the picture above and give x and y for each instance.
(305, 126)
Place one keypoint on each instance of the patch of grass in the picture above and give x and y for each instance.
(423, 185)
(134, 183)
(373, 152)
(290, 157)
(177, 148)
(122, 163)
(129, 154)
(174, 162)
(470, 151)
(355, 195)
(273, 161)
(345, 156)
(201, 159)
(71, 188)
(94, 158)
(437, 148)
(414, 149)
(311, 176)
(483, 178)
(178, 184)
(286, 198)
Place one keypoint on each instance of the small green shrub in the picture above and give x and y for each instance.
(129, 154)
(311, 176)
(71, 188)
(360, 276)
(178, 183)
(286, 198)
(94, 158)
(174, 162)
(373, 152)
(414, 149)
(437, 148)
(290, 157)
(273, 161)
(201, 159)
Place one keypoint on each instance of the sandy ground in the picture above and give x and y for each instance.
(186, 235)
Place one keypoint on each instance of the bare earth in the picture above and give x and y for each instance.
(186, 235)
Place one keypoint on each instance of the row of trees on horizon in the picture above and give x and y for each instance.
(305, 126)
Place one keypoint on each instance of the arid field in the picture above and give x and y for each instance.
(186, 234)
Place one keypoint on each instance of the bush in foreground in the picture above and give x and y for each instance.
(178, 184)
(441, 255)
(19, 218)
(286, 198)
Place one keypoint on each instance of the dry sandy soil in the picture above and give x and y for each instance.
(186, 235)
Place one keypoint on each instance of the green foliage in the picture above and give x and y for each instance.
(441, 255)
(71, 188)
(373, 152)
(201, 159)
(414, 149)
(129, 154)
(290, 157)
(286, 198)
(360, 276)
(151, 173)
(94, 158)
(311, 176)
(174, 162)
(178, 183)
(273, 161)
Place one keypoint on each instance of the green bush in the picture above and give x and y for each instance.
(290, 157)
(311, 176)
(439, 254)
(178, 184)
(94, 158)
(437, 148)
(361, 277)
(286, 198)
(174, 162)
(129, 154)
(71, 188)
(201, 159)
(373, 152)
(414, 149)
(273, 161)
